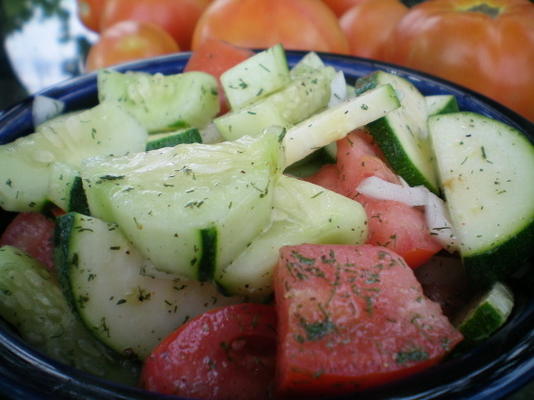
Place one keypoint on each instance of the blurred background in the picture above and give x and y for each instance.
(48, 41)
(485, 45)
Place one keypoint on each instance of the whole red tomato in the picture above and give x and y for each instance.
(340, 6)
(177, 17)
(297, 24)
(485, 45)
(128, 41)
(89, 12)
(368, 26)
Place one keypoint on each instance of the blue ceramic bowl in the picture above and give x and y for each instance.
(493, 370)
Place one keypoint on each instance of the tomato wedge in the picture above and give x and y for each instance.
(352, 317)
(34, 234)
(227, 353)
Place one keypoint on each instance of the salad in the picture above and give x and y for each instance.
(292, 244)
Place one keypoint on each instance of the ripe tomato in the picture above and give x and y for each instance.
(297, 24)
(226, 353)
(368, 26)
(89, 12)
(177, 17)
(485, 45)
(32, 233)
(214, 57)
(340, 6)
(352, 317)
(128, 41)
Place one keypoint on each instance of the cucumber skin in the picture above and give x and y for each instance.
(62, 234)
(78, 200)
(487, 315)
(504, 259)
(390, 145)
(206, 267)
(190, 136)
(393, 152)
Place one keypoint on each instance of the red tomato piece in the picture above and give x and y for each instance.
(339, 7)
(352, 317)
(357, 159)
(214, 57)
(227, 353)
(32, 233)
(401, 228)
(327, 177)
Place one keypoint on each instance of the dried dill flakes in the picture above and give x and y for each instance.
(414, 355)
(318, 329)
(303, 259)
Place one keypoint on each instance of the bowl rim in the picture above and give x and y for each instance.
(483, 373)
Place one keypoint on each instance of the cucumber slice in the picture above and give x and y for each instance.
(441, 104)
(171, 139)
(33, 303)
(66, 189)
(305, 95)
(101, 273)
(486, 169)
(302, 213)
(310, 61)
(402, 135)
(486, 314)
(184, 206)
(336, 122)
(250, 121)
(162, 102)
(25, 163)
(256, 77)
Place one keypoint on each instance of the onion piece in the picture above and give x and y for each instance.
(436, 215)
(338, 89)
(210, 134)
(380, 189)
(45, 108)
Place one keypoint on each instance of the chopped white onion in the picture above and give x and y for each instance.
(210, 134)
(438, 221)
(338, 89)
(436, 214)
(44, 108)
(384, 190)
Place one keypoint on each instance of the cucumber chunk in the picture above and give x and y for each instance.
(256, 77)
(162, 102)
(171, 139)
(25, 163)
(336, 122)
(307, 93)
(102, 274)
(302, 213)
(183, 207)
(486, 314)
(441, 104)
(310, 61)
(402, 135)
(250, 121)
(32, 301)
(486, 169)
(66, 189)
